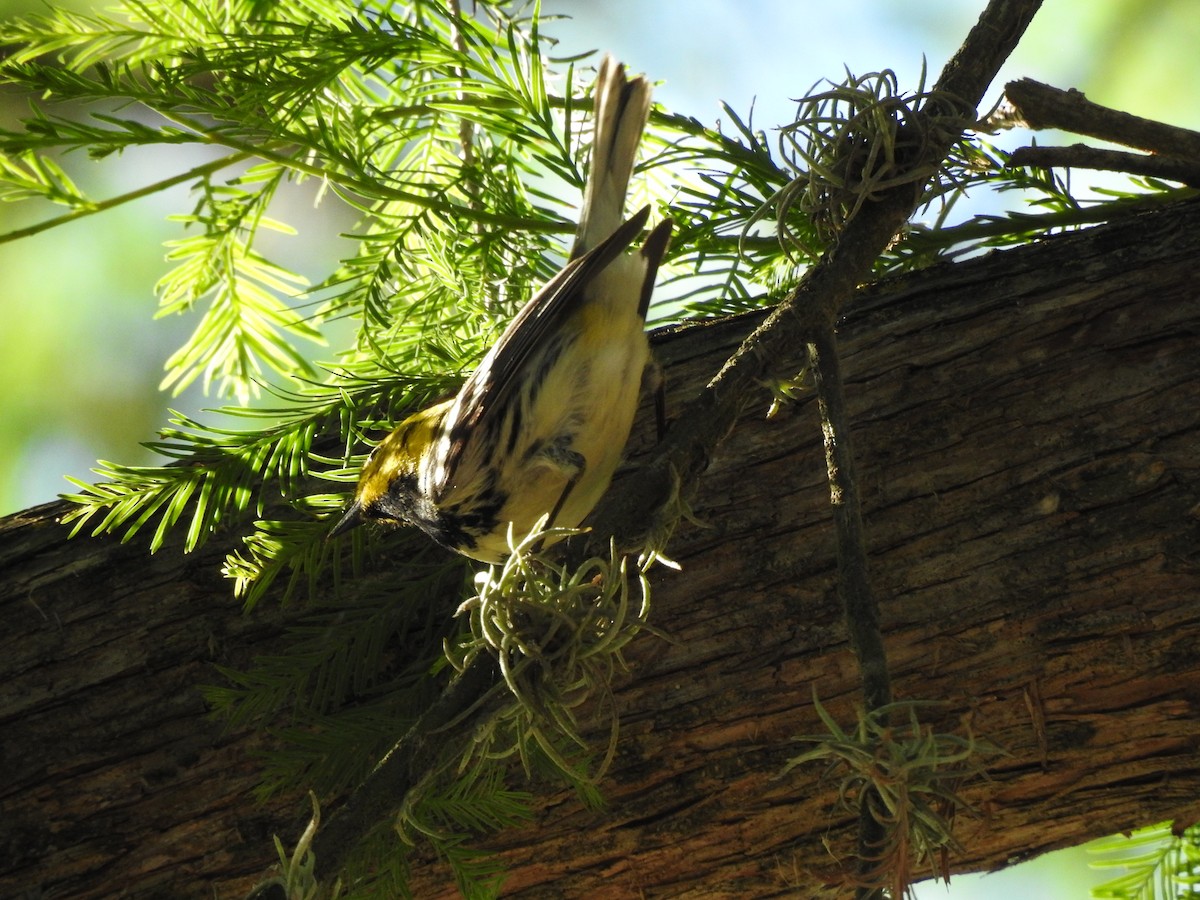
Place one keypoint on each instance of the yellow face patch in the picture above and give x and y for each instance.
(398, 454)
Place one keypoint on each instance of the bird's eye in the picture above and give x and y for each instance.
(374, 511)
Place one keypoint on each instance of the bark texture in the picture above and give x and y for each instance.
(1028, 431)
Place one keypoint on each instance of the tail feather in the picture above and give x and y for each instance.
(652, 252)
(622, 106)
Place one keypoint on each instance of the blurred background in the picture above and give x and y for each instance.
(81, 354)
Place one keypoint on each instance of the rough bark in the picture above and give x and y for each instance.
(1028, 431)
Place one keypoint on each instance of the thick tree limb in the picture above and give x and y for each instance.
(996, 449)
(1028, 431)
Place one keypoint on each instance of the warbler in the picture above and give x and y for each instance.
(541, 424)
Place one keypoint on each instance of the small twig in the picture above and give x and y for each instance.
(197, 172)
(859, 606)
(359, 185)
(1037, 715)
(981, 230)
(1081, 156)
(466, 128)
(1041, 106)
(854, 585)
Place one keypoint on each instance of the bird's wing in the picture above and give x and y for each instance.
(485, 394)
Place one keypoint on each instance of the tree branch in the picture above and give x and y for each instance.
(100, 206)
(854, 584)
(1040, 106)
(826, 289)
(808, 316)
(1081, 156)
(1027, 447)
(860, 610)
(815, 305)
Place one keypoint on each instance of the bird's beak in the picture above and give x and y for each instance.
(352, 518)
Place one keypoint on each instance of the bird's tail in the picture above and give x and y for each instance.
(622, 106)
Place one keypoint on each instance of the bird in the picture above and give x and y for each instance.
(540, 426)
